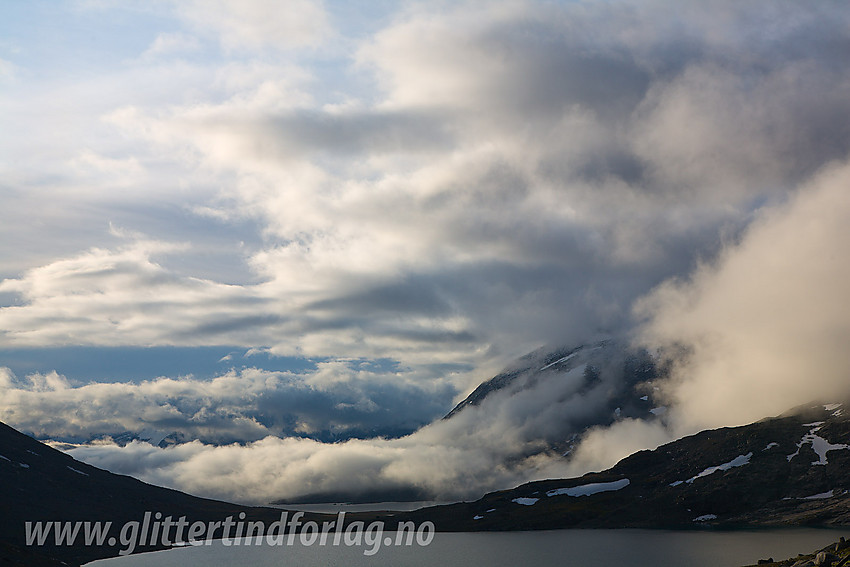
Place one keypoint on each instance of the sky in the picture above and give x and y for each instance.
(292, 235)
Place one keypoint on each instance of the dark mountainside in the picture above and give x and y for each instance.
(631, 368)
(611, 380)
(790, 470)
(39, 483)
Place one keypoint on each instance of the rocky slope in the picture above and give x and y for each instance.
(789, 470)
(39, 483)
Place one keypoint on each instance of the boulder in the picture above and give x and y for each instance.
(825, 559)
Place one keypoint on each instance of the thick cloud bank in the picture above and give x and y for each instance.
(766, 325)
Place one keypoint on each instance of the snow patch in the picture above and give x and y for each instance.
(770, 446)
(560, 360)
(705, 518)
(819, 445)
(526, 501)
(738, 461)
(661, 410)
(645, 398)
(821, 496)
(5, 458)
(78, 472)
(477, 517)
(490, 510)
(830, 407)
(23, 465)
(590, 489)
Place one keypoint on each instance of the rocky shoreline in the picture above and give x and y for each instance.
(834, 555)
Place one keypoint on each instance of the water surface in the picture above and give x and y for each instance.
(581, 548)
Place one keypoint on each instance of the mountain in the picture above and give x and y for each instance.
(41, 484)
(788, 470)
(611, 380)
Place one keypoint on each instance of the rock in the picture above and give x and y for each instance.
(825, 559)
(765, 561)
(803, 563)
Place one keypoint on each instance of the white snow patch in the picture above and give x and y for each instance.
(78, 472)
(705, 518)
(814, 424)
(821, 496)
(152, 436)
(645, 398)
(819, 445)
(526, 501)
(661, 410)
(23, 465)
(830, 407)
(738, 461)
(590, 489)
(770, 446)
(836, 413)
(477, 517)
(490, 510)
(5, 458)
(566, 358)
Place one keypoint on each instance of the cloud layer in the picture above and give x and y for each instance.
(764, 325)
(338, 400)
(509, 158)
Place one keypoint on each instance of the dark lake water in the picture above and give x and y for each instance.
(582, 548)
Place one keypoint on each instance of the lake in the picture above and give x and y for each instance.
(631, 547)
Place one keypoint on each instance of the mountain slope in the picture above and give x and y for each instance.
(789, 470)
(595, 384)
(39, 483)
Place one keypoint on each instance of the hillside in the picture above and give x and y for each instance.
(39, 483)
(788, 470)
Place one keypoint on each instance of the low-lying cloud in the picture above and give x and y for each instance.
(339, 400)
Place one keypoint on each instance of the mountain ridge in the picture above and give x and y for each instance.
(789, 470)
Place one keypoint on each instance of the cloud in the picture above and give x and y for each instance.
(753, 333)
(259, 24)
(514, 434)
(505, 440)
(108, 296)
(512, 177)
(339, 400)
(764, 325)
(167, 44)
(8, 70)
